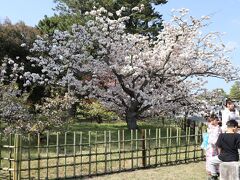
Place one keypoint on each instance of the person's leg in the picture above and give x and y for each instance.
(213, 164)
(208, 157)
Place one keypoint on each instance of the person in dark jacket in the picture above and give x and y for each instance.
(228, 144)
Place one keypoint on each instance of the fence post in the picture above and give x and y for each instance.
(17, 157)
(143, 148)
(0, 150)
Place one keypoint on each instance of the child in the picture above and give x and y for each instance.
(213, 132)
(228, 144)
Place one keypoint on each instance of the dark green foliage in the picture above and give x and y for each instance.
(148, 22)
(60, 22)
(95, 112)
(11, 38)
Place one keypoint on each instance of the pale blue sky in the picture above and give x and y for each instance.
(29, 11)
(225, 18)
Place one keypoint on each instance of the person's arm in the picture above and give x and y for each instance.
(213, 136)
(238, 141)
(225, 119)
(219, 142)
(237, 114)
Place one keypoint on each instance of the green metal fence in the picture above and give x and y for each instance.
(82, 154)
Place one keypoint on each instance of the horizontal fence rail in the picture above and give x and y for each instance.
(84, 154)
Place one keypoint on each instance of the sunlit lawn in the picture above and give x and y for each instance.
(191, 171)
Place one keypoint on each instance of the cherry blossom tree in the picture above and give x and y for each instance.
(130, 73)
(152, 76)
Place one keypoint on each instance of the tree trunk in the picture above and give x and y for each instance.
(131, 119)
(185, 121)
(72, 111)
(99, 119)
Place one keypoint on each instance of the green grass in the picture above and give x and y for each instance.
(116, 125)
(191, 171)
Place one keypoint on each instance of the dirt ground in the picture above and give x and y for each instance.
(191, 171)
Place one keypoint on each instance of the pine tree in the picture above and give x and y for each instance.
(148, 22)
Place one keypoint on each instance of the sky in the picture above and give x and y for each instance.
(29, 11)
(225, 18)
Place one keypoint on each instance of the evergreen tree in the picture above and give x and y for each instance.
(60, 22)
(148, 22)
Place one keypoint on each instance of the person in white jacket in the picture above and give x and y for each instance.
(229, 113)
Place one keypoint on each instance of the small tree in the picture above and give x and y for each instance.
(14, 112)
(94, 111)
(17, 116)
(235, 91)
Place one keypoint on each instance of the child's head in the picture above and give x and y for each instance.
(232, 125)
(229, 104)
(213, 120)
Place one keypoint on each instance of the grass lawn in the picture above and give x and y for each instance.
(192, 171)
(116, 125)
